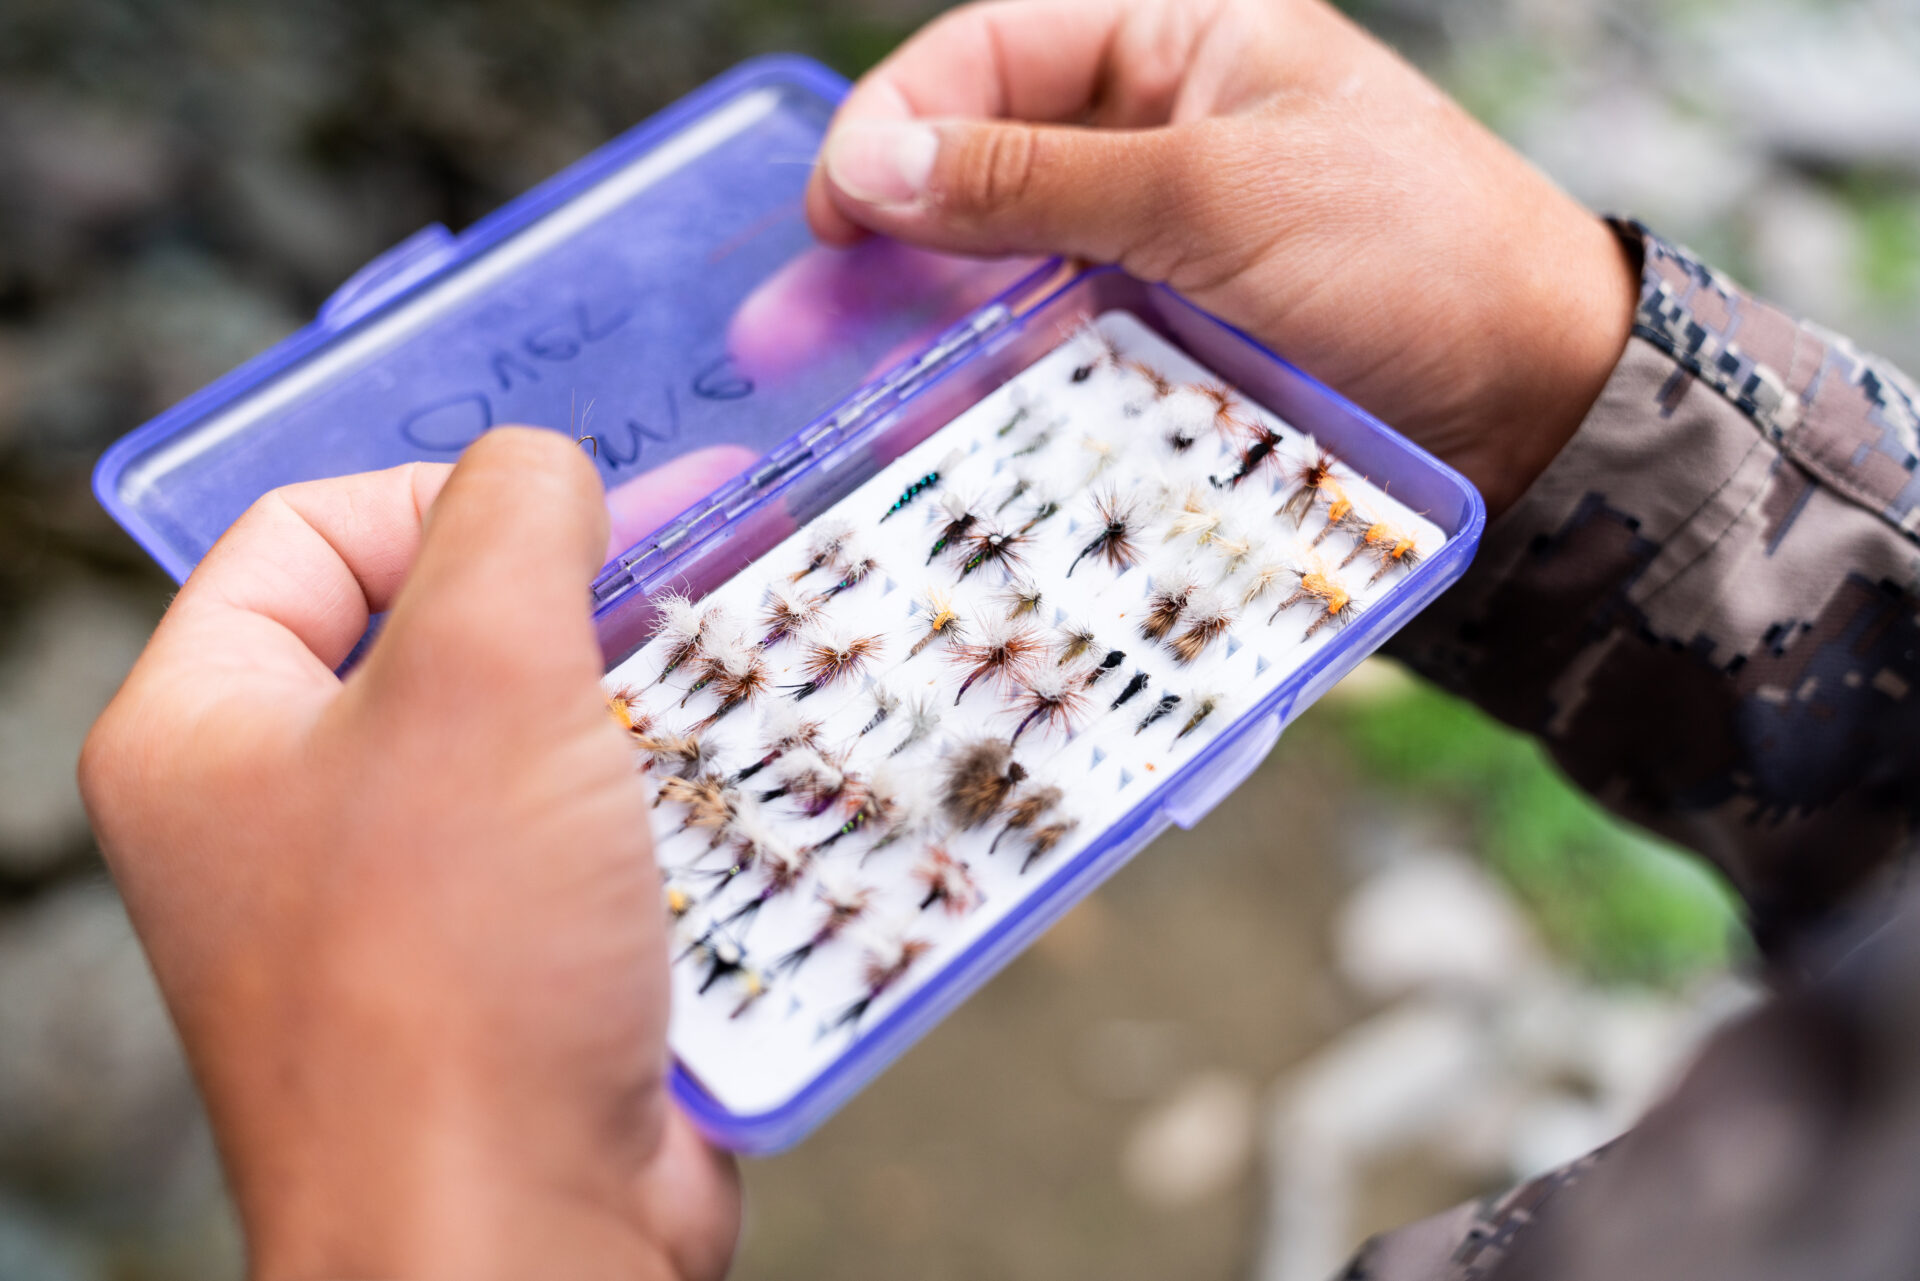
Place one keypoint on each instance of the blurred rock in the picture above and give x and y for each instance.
(1130, 1059)
(1193, 1146)
(1432, 920)
(33, 1248)
(96, 1107)
(1628, 149)
(58, 671)
(1493, 1065)
(1806, 249)
(1831, 85)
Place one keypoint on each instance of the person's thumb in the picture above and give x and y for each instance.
(497, 607)
(988, 187)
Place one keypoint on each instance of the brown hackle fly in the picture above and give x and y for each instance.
(1053, 700)
(979, 777)
(1028, 807)
(1118, 522)
(1004, 654)
(829, 657)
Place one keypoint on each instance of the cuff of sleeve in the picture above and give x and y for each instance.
(1722, 419)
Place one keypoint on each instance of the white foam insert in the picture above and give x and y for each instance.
(759, 1060)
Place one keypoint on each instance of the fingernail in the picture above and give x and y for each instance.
(882, 163)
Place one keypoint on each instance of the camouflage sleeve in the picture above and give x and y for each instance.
(1708, 609)
(1706, 606)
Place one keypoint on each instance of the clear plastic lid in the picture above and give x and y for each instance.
(664, 297)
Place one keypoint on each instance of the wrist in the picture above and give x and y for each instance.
(1566, 323)
(423, 1196)
(392, 1143)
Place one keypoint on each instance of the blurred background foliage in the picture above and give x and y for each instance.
(182, 182)
(1617, 905)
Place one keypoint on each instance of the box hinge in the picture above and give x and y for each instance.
(871, 403)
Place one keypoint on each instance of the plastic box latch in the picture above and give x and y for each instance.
(1230, 769)
(420, 255)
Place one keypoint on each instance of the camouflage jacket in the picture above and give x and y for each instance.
(1708, 609)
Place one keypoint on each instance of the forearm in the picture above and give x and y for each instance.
(1705, 606)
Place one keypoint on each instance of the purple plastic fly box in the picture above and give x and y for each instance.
(664, 296)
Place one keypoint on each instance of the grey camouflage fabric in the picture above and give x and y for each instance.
(1708, 610)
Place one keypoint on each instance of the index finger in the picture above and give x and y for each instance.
(290, 588)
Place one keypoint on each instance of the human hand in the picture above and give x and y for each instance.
(1279, 167)
(408, 923)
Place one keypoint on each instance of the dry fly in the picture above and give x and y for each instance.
(1204, 706)
(855, 566)
(1263, 579)
(845, 902)
(1101, 352)
(623, 705)
(1187, 413)
(886, 962)
(1341, 514)
(1020, 598)
(1104, 453)
(1259, 451)
(1166, 606)
(1053, 700)
(1024, 403)
(948, 882)
(1196, 519)
(1117, 518)
(1076, 642)
(1154, 386)
(788, 611)
(680, 754)
(824, 547)
(1028, 808)
(781, 867)
(923, 717)
(833, 657)
(709, 802)
(810, 778)
(1045, 508)
(914, 817)
(1307, 483)
(784, 729)
(739, 683)
(683, 626)
(1333, 603)
(1161, 709)
(942, 620)
(724, 957)
(994, 547)
(1004, 654)
(978, 780)
(1208, 619)
(960, 518)
(885, 703)
(1045, 840)
(871, 803)
(1388, 547)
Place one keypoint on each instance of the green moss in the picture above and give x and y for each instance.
(1616, 904)
(1888, 265)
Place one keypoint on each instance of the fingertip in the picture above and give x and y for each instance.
(547, 467)
(830, 226)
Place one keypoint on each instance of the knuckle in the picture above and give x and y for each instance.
(103, 772)
(998, 167)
